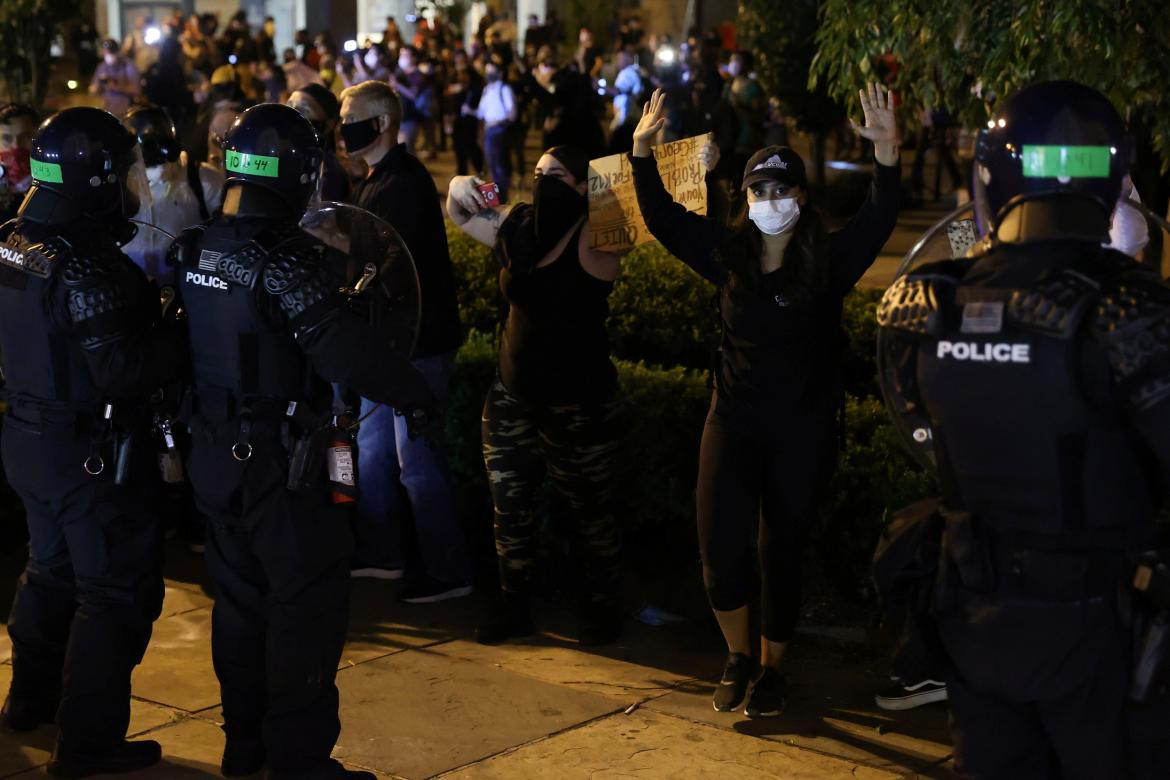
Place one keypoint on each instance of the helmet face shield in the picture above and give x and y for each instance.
(136, 196)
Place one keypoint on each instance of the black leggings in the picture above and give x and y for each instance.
(766, 482)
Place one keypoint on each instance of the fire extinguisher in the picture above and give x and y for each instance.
(341, 464)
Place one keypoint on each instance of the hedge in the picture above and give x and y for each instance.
(661, 312)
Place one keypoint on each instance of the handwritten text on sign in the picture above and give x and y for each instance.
(613, 207)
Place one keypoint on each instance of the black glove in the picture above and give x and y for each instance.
(427, 423)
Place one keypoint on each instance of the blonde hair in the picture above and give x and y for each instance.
(379, 96)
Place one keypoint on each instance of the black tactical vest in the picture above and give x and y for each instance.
(232, 275)
(41, 282)
(1013, 358)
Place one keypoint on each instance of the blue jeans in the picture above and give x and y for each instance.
(495, 145)
(399, 478)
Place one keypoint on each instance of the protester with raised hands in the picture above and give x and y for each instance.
(553, 407)
(769, 445)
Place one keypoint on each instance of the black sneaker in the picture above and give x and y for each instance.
(25, 713)
(123, 756)
(766, 699)
(510, 618)
(907, 696)
(242, 757)
(732, 689)
(425, 589)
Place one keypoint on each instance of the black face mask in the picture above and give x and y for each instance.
(359, 135)
(557, 208)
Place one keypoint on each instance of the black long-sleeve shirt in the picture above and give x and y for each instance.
(780, 354)
(401, 191)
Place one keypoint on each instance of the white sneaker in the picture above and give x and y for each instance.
(901, 696)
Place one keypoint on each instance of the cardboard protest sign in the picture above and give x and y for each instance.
(613, 208)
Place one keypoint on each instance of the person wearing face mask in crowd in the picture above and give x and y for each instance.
(497, 110)
(115, 80)
(371, 65)
(466, 89)
(400, 477)
(745, 98)
(17, 125)
(565, 98)
(415, 91)
(553, 407)
(182, 192)
(769, 445)
(317, 104)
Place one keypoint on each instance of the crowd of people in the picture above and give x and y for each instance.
(271, 363)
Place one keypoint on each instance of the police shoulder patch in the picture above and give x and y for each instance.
(1056, 306)
(912, 304)
(242, 266)
(1132, 320)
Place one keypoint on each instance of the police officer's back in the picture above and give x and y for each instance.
(269, 332)
(1043, 365)
(83, 352)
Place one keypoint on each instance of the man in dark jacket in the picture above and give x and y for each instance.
(400, 190)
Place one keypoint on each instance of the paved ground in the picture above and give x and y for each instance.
(421, 699)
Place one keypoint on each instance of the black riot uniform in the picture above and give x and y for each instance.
(83, 352)
(1042, 363)
(269, 331)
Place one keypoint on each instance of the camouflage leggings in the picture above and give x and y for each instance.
(577, 447)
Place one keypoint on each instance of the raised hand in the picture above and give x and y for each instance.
(880, 126)
(709, 155)
(652, 121)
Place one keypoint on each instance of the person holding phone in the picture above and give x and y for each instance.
(770, 442)
(553, 407)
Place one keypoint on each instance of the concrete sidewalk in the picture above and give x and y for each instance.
(419, 699)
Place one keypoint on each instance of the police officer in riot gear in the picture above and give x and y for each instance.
(83, 351)
(1041, 362)
(269, 331)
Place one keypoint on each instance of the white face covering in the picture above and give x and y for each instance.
(110, 58)
(154, 174)
(774, 216)
(1128, 231)
(371, 58)
(404, 63)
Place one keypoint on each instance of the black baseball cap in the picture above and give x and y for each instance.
(775, 163)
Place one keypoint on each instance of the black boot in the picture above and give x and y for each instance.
(242, 757)
(25, 713)
(510, 618)
(122, 756)
(601, 623)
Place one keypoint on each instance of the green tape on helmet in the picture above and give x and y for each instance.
(46, 171)
(252, 164)
(1067, 162)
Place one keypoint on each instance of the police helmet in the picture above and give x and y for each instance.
(81, 160)
(156, 134)
(272, 146)
(1055, 138)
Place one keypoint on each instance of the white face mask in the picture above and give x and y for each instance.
(774, 216)
(404, 63)
(1128, 232)
(110, 58)
(154, 174)
(371, 58)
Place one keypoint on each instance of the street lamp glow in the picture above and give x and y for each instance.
(151, 35)
(666, 56)
(350, 45)
(71, 83)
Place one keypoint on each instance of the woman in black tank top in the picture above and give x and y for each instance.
(552, 408)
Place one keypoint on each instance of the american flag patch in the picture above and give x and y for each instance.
(209, 261)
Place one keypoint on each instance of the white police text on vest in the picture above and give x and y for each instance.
(11, 256)
(985, 352)
(206, 280)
